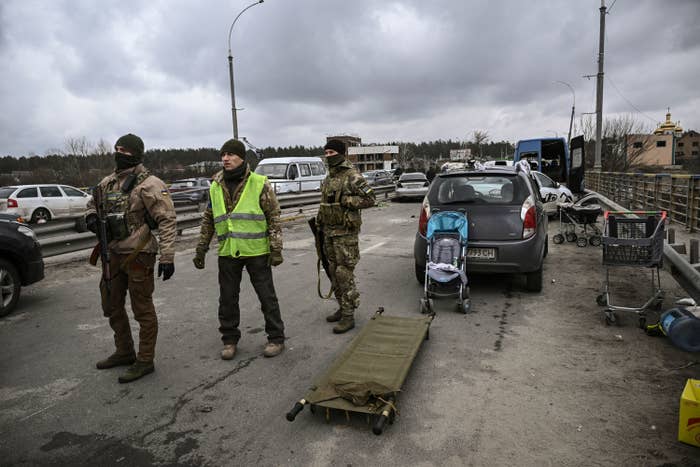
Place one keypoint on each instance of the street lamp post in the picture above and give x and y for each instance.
(573, 107)
(230, 70)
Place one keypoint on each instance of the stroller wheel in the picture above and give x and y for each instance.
(423, 306)
(558, 239)
(643, 322)
(571, 237)
(464, 306)
(581, 242)
(595, 240)
(610, 318)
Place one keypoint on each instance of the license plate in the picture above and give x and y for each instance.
(481, 253)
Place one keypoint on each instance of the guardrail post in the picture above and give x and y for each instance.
(694, 244)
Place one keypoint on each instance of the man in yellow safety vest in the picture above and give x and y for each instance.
(244, 214)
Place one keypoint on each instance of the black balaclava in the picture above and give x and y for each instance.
(134, 145)
(337, 146)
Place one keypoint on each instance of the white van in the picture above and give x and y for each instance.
(293, 174)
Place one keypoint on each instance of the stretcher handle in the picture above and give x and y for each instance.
(378, 427)
(298, 407)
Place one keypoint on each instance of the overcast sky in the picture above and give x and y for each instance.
(410, 70)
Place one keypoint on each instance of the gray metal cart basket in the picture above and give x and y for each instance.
(633, 239)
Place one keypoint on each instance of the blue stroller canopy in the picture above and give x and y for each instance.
(448, 221)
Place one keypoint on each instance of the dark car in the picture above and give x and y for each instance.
(20, 260)
(190, 190)
(507, 221)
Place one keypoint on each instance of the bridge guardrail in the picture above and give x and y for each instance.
(677, 194)
(60, 237)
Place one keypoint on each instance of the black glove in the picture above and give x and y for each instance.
(91, 223)
(166, 270)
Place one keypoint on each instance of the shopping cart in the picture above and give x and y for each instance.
(633, 242)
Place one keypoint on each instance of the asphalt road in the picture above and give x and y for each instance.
(525, 379)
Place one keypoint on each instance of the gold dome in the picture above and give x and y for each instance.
(668, 127)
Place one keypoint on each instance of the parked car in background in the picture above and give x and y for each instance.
(21, 263)
(378, 177)
(507, 221)
(552, 193)
(293, 174)
(190, 190)
(412, 185)
(41, 203)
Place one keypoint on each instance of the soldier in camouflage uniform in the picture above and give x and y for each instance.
(343, 193)
(135, 203)
(244, 214)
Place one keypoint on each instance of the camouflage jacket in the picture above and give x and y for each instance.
(150, 196)
(268, 203)
(343, 193)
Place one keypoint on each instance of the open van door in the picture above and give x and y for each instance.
(577, 166)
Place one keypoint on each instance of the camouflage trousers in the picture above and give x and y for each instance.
(343, 253)
(137, 279)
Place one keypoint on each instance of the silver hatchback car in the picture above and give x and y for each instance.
(507, 231)
(41, 203)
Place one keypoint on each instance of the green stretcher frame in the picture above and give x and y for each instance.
(367, 377)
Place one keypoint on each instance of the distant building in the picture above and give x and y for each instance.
(373, 157)
(688, 145)
(460, 154)
(658, 148)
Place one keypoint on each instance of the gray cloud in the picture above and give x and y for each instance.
(388, 70)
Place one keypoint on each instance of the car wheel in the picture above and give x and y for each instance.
(420, 275)
(533, 281)
(40, 216)
(80, 224)
(9, 287)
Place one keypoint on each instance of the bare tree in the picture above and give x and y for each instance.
(617, 156)
(479, 138)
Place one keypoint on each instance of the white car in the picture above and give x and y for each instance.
(41, 203)
(552, 192)
(412, 185)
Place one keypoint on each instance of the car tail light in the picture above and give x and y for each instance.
(11, 203)
(424, 216)
(528, 213)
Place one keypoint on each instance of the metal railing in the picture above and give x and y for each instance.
(66, 236)
(679, 195)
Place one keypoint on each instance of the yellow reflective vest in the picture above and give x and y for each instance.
(243, 231)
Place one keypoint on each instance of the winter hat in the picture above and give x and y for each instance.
(233, 146)
(131, 143)
(336, 145)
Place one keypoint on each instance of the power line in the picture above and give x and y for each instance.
(655, 120)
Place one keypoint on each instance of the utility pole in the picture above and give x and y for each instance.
(599, 92)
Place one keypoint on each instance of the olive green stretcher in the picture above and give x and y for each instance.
(368, 375)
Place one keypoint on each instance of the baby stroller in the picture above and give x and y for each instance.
(446, 258)
(575, 217)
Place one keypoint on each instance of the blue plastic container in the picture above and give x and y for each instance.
(682, 327)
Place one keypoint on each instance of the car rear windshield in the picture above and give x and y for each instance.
(478, 189)
(413, 178)
(6, 191)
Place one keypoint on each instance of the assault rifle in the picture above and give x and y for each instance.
(103, 240)
(322, 259)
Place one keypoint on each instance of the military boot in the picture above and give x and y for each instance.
(334, 317)
(138, 370)
(116, 359)
(346, 323)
